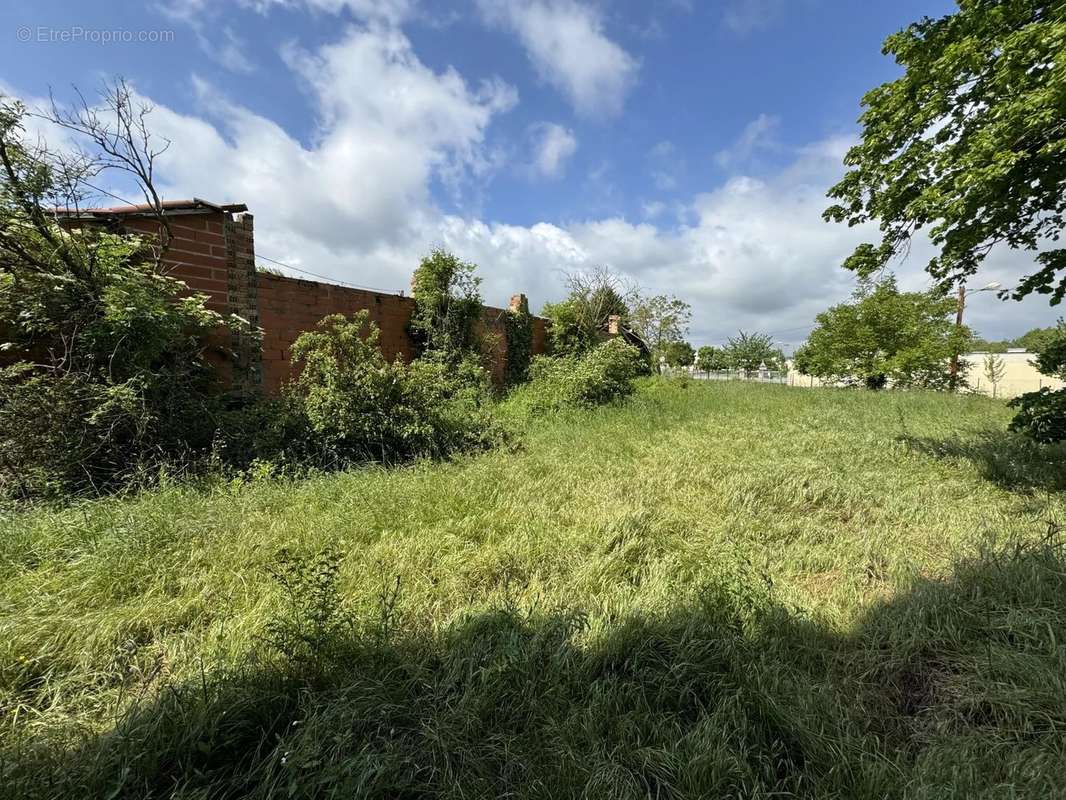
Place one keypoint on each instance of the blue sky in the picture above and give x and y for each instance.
(685, 144)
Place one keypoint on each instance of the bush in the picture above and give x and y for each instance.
(1041, 415)
(358, 407)
(112, 382)
(603, 375)
(518, 327)
(104, 377)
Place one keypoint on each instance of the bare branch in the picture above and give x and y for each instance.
(117, 129)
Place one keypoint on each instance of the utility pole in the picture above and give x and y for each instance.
(953, 367)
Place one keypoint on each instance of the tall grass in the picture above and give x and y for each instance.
(713, 590)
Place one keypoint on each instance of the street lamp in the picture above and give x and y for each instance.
(953, 368)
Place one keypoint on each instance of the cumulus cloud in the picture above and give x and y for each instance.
(390, 11)
(566, 42)
(552, 147)
(388, 125)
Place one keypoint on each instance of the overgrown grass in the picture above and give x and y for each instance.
(713, 590)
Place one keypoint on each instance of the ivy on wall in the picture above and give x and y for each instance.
(447, 308)
(518, 328)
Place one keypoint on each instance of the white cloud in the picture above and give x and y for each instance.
(552, 145)
(567, 44)
(354, 202)
(653, 209)
(757, 136)
(389, 11)
(388, 125)
(667, 165)
(228, 50)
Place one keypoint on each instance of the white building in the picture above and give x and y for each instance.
(1019, 374)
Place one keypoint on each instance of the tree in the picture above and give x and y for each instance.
(448, 308)
(994, 370)
(1036, 339)
(750, 351)
(1032, 340)
(1051, 357)
(885, 335)
(679, 354)
(968, 144)
(1042, 415)
(660, 320)
(579, 322)
(712, 358)
(105, 372)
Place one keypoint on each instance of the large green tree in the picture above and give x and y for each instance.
(710, 358)
(968, 145)
(885, 335)
(679, 354)
(750, 351)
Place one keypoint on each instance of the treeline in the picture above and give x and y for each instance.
(1033, 341)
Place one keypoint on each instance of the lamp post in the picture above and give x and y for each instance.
(953, 367)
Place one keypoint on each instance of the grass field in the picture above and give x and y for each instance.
(713, 590)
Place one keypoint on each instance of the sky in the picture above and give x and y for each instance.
(686, 144)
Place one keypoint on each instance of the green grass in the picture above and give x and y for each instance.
(712, 590)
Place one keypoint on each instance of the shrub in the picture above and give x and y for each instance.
(603, 375)
(359, 407)
(112, 382)
(1042, 415)
(105, 376)
(579, 322)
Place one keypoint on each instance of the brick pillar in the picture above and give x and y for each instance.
(614, 325)
(242, 300)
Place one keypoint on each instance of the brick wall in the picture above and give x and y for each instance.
(288, 306)
(213, 252)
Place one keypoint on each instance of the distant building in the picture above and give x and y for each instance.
(1019, 374)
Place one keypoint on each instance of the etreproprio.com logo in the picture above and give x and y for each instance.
(78, 34)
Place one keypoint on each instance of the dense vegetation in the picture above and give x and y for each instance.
(655, 324)
(602, 375)
(713, 590)
(887, 336)
(104, 376)
(107, 383)
(1042, 414)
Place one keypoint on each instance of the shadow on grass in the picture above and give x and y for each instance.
(1009, 460)
(730, 694)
